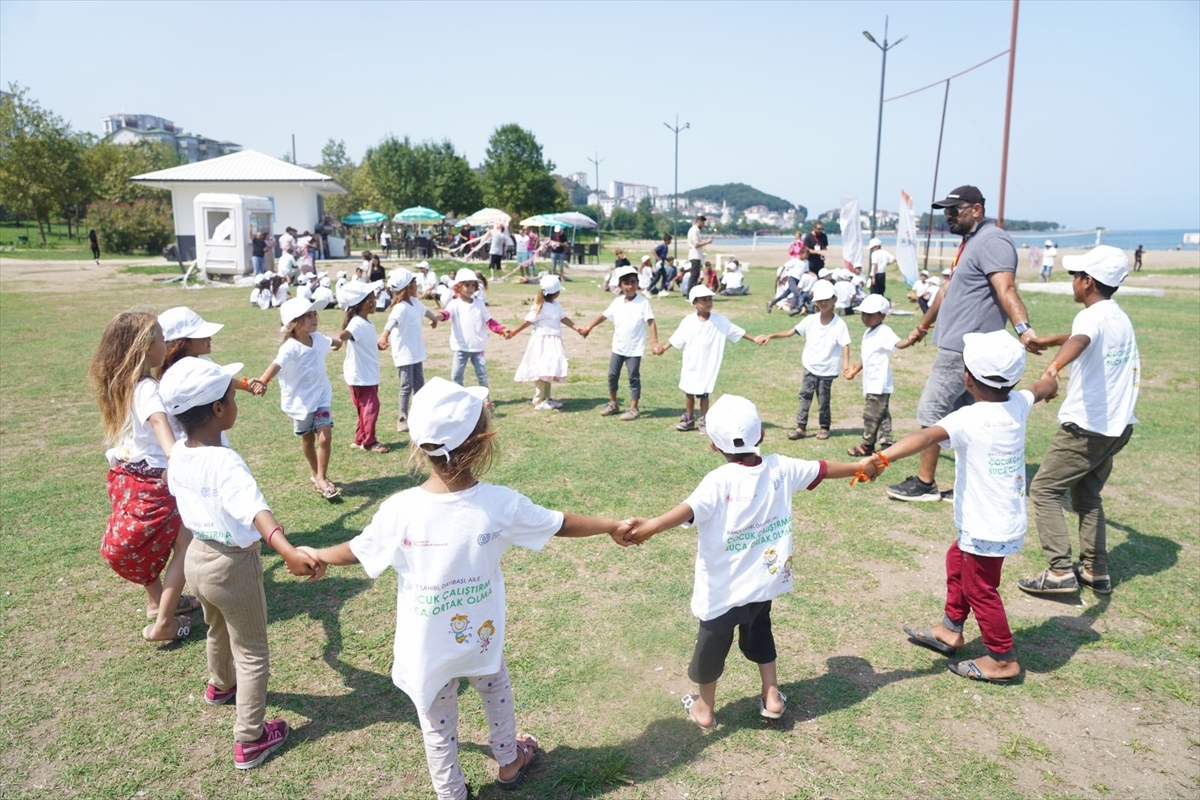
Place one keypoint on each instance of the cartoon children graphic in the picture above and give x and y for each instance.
(787, 569)
(769, 558)
(486, 631)
(458, 626)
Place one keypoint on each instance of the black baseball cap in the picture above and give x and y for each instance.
(963, 194)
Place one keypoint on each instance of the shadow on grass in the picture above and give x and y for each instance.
(1051, 644)
(669, 743)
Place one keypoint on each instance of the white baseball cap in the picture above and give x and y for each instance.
(445, 414)
(341, 273)
(733, 425)
(294, 309)
(1106, 264)
(947, 272)
(823, 290)
(192, 382)
(558, 228)
(183, 323)
(325, 282)
(825, 272)
(875, 242)
(935, 281)
(621, 272)
(400, 278)
(699, 291)
(995, 359)
(645, 259)
(1049, 243)
(874, 304)
(550, 284)
(355, 292)
(465, 275)
(423, 265)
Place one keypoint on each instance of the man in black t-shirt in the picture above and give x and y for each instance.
(817, 243)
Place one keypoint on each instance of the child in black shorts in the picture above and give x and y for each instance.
(743, 515)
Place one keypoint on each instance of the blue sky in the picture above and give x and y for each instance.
(783, 96)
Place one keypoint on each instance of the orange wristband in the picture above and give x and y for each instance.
(1057, 367)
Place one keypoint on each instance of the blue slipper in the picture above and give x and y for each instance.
(971, 671)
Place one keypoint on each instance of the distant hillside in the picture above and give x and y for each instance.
(740, 196)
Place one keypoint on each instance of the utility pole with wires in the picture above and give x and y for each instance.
(596, 163)
(675, 195)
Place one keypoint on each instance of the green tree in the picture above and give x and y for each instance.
(397, 173)
(517, 178)
(110, 166)
(453, 187)
(646, 227)
(41, 161)
(337, 165)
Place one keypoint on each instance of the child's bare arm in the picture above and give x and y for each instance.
(852, 372)
(845, 357)
(1071, 349)
(599, 318)
(298, 563)
(514, 331)
(840, 469)
(162, 432)
(642, 529)
(340, 555)
(915, 442)
(1053, 341)
(653, 331)
(576, 525)
(341, 338)
(763, 338)
(271, 371)
(1045, 388)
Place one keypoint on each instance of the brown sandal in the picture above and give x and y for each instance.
(862, 451)
(796, 434)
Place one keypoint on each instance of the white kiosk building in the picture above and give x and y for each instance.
(296, 194)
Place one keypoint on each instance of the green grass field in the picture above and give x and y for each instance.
(600, 637)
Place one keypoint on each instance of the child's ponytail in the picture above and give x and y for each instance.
(540, 301)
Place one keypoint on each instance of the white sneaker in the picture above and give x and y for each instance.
(555, 403)
(545, 405)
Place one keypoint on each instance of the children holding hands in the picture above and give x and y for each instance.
(450, 603)
(470, 322)
(743, 517)
(825, 334)
(701, 336)
(631, 315)
(220, 503)
(988, 439)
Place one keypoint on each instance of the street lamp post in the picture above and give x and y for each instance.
(675, 194)
(596, 162)
(879, 131)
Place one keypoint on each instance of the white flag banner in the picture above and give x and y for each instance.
(906, 240)
(852, 253)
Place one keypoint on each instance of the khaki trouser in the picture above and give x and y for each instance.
(229, 582)
(541, 391)
(1078, 462)
(877, 420)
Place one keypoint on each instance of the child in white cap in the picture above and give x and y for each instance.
(742, 511)
(408, 343)
(144, 532)
(361, 367)
(988, 439)
(825, 336)
(305, 393)
(880, 259)
(220, 503)
(878, 344)
(470, 322)
(1096, 421)
(701, 336)
(445, 539)
(545, 360)
(843, 292)
(631, 315)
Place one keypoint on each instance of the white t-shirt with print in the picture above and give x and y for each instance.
(303, 384)
(361, 367)
(743, 517)
(823, 345)
(547, 321)
(988, 440)
(629, 318)
(140, 443)
(468, 324)
(879, 262)
(1103, 388)
(404, 328)
(217, 496)
(703, 345)
(878, 344)
(446, 549)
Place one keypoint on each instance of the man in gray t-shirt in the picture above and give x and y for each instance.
(980, 296)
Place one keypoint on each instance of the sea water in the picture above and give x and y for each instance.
(1075, 240)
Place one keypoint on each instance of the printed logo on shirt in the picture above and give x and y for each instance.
(407, 542)
(487, 536)
(769, 559)
(207, 492)
(459, 624)
(485, 633)
(787, 569)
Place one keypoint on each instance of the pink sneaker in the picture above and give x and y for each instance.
(247, 755)
(219, 697)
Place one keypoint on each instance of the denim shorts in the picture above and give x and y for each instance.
(322, 417)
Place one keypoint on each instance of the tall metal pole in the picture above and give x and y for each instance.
(294, 149)
(675, 194)
(1012, 62)
(936, 166)
(597, 161)
(879, 131)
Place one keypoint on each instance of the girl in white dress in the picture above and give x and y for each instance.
(544, 360)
